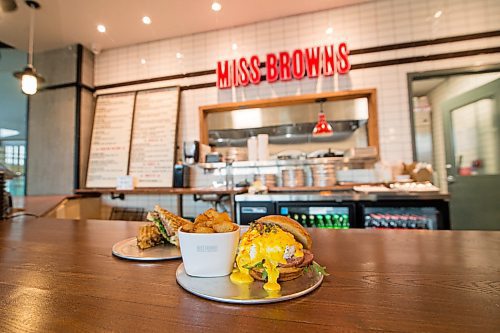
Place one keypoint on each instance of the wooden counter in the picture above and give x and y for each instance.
(37, 205)
(179, 192)
(59, 275)
(167, 190)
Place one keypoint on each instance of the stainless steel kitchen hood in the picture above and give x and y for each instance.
(283, 134)
(289, 124)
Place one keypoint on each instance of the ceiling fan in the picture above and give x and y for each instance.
(8, 5)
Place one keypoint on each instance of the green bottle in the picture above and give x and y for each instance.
(329, 223)
(311, 220)
(345, 222)
(337, 223)
(321, 224)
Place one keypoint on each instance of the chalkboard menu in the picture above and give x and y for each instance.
(153, 138)
(134, 134)
(110, 143)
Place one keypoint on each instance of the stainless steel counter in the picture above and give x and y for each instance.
(339, 196)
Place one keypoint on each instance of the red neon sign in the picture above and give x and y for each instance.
(284, 66)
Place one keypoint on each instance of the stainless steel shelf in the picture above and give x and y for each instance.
(339, 196)
(291, 162)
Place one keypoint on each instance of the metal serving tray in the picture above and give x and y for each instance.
(221, 289)
(128, 249)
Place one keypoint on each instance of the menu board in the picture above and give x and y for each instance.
(153, 137)
(110, 144)
(134, 134)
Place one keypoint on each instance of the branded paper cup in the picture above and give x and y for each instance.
(209, 255)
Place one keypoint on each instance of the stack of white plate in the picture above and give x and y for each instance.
(293, 177)
(267, 179)
(323, 175)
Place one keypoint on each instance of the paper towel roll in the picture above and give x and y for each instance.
(252, 148)
(263, 147)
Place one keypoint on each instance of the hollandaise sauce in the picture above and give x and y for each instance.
(264, 250)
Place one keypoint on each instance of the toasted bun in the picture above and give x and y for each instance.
(290, 225)
(286, 274)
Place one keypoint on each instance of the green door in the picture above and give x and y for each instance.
(472, 140)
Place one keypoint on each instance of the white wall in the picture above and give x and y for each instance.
(369, 24)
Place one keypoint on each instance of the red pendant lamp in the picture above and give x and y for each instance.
(322, 127)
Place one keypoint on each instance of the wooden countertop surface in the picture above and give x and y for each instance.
(59, 275)
(37, 204)
(166, 190)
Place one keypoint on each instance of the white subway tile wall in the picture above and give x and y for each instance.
(364, 25)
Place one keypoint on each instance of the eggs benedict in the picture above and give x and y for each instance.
(275, 248)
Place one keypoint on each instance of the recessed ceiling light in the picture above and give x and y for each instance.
(216, 6)
(146, 20)
(329, 30)
(438, 14)
(178, 55)
(234, 46)
(101, 28)
(143, 61)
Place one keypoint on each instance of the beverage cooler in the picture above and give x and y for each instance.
(432, 215)
(319, 214)
(250, 211)
(386, 213)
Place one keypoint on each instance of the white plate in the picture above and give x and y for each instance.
(221, 289)
(128, 249)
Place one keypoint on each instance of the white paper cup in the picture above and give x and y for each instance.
(209, 255)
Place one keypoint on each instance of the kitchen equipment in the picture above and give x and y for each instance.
(181, 175)
(252, 147)
(191, 152)
(293, 177)
(269, 180)
(263, 147)
(250, 211)
(213, 157)
(323, 175)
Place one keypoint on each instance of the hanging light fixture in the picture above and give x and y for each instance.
(29, 77)
(322, 127)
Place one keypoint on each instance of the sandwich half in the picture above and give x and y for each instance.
(167, 223)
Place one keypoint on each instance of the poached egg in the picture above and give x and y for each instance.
(265, 249)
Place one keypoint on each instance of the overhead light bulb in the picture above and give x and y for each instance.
(146, 20)
(438, 14)
(329, 30)
(101, 28)
(29, 84)
(28, 76)
(234, 46)
(216, 7)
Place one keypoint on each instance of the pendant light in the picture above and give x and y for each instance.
(29, 77)
(322, 127)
